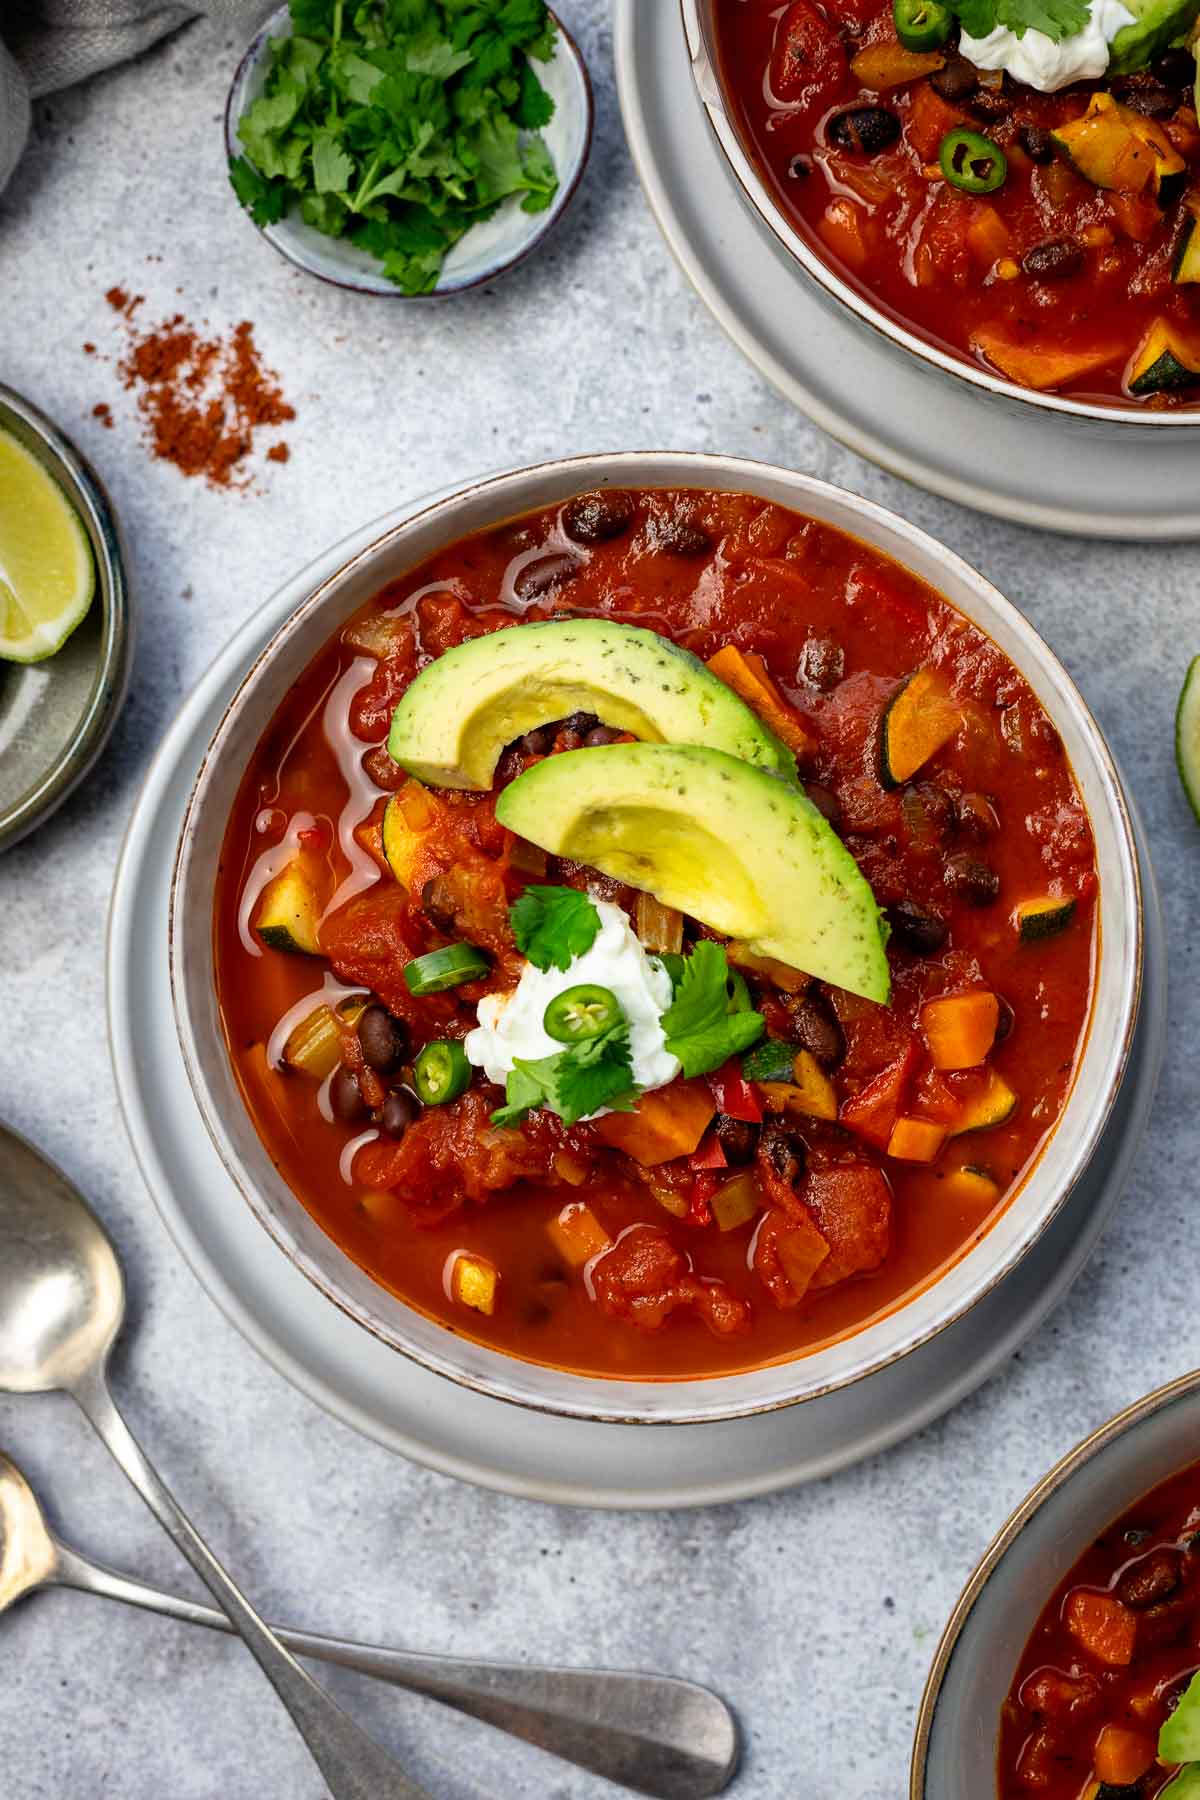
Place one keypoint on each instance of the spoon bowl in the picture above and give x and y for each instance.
(28, 1555)
(62, 1295)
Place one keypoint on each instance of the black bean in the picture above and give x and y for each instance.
(1054, 259)
(1175, 68)
(1152, 1578)
(917, 928)
(823, 663)
(681, 537)
(737, 1137)
(975, 817)
(816, 1030)
(580, 723)
(991, 103)
(956, 78)
(1005, 1021)
(825, 801)
(544, 573)
(345, 1097)
(977, 882)
(384, 1039)
(869, 129)
(786, 1152)
(536, 743)
(594, 518)
(437, 903)
(928, 812)
(1037, 144)
(399, 1110)
(1148, 97)
(602, 734)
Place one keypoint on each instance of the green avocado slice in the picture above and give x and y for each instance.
(1156, 24)
(460, 712)
(729, 844)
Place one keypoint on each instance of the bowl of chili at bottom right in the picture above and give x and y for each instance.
(1066, 1668)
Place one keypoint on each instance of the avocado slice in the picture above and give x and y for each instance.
(1156, 24)
(460, 712)
(1179, 1736)
(731, 845)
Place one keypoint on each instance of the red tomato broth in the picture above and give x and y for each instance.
(771, 582)
(943, 263)
(1063, 1695)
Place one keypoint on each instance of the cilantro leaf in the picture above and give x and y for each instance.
(1057, 19)
(264, 200)
(699, 1027)
(333, 170)
(574, 1083)
(535, 108)
(553, 924)
(523, 1091)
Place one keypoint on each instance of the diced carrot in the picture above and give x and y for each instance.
(873, 1111)
(1041, 365)
(843, 225)
(577, 1233)
(473, 1282)
(915, 1140)
(890, 65)
(987, 234)
(960, 1029)
(749, 677)
(1106, 1629)
(666, 1123)
(1121, 1757)
(929, 119)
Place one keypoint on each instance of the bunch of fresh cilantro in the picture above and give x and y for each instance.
(708, 1021)
(399, 124)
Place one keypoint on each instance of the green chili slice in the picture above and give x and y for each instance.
(581, 1013)
(443, 969)
(922, 24)
(441, 1072)
(972, 162)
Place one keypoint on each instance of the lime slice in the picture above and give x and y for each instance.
(1187, 735)
(47, 576)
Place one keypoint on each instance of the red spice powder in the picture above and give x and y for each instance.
(202, 398)
(103, 412)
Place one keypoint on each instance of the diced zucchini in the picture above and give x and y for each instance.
(290, 911)
(1186, 266)
(995, 1104)
(1113, 146)
(769, 1061)
(1162, 361)
(920, 717)
(972, 1186)
(916, 1140)
(736, 1202)
(1044, 917)
(473, 1282)
(577, 1233)
(407, 820)
(960, 1029)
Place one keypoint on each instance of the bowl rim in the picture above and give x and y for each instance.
(380, 288)
(702, 55)
(737, 474)
(1065, 1470)
(114, 654)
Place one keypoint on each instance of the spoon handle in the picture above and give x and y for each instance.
(659, 1736)
(354, 1766)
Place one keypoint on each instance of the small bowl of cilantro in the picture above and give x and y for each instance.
(408, 147)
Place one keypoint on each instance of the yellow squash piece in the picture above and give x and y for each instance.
(736, 1202)
(1115, 147)
(970, 1186)
(993, 1106)
(1164, 359)
(577, 1234)
(473, 1282)
(290, 910)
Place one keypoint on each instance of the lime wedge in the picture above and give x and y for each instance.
(47, 576)
(1187, 735)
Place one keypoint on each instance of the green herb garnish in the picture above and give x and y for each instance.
(1057, 19)
(700, 1029)
(553, 925)
(399, 124)
(575, 1082)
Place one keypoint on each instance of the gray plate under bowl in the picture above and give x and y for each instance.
(56, 716)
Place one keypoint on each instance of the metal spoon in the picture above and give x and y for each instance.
(657, 1735)
(62, 1302)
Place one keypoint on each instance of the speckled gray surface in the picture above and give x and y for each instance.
(815, 1612)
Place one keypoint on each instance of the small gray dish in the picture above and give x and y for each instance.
(488, 250)
(56, 715)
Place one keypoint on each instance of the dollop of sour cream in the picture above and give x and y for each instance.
(510, 1025)
(1039, 62)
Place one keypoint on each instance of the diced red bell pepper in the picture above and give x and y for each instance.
(873, 1111)
(709, 1155)
(734, 1095)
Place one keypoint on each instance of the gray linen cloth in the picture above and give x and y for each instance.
(50, 44)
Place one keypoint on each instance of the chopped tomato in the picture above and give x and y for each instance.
(735, 1096)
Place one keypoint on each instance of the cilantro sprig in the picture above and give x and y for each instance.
(1058, 19)
(552, 925)
(574, 1083)
(707, 1023)
(399, 124)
